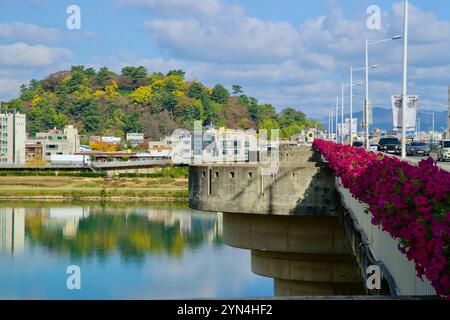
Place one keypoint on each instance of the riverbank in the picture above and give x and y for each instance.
(92, 189)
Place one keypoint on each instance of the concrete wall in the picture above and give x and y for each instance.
(300, 187)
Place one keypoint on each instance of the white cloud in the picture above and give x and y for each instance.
(278, 62)
(23, 55)
(20, 31)
(228, 39)
(9, 88)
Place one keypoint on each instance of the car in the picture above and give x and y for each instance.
(434, 146)
(374, 147)
(417, 148)
(390, 145)
(358, 144)
(444, 150)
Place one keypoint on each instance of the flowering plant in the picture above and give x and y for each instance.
(411, 203)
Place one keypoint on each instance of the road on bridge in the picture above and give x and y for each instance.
(443, 165)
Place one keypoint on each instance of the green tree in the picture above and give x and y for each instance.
(179, 73)
(197, 91)
(220, 94)
(132, 123)
(269, 125)
(104, 76)
(288, 132)
(135, 73)
(187, 110)
(290, 116)
(237, 90)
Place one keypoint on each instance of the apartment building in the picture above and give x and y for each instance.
(12, 137)
(53, 142)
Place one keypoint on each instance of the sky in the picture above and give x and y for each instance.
(290, 53)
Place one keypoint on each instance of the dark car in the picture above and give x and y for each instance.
(358, 144)
(418, 149)
(390, 145)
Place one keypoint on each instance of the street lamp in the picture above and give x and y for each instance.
(332, 123)
(405, 75)
(366, 104)
(342, 112)
(351, 95)
(337, 115)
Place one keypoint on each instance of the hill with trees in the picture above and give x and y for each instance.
(105, 103)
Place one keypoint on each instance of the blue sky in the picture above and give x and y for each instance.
(288, 52)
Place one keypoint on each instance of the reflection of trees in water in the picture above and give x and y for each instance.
(133, 236)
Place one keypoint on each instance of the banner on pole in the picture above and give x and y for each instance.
(343, 129)
(354, 125)
(411, 112)
(369, 106)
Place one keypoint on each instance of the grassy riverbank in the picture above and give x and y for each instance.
(85, 188)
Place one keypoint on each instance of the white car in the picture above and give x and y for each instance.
(444, 151)
(373, 147)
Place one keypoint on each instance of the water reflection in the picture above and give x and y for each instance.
(12, 230)
(134, 233)
(125, 252)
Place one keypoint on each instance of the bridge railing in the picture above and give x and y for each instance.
(385, 249)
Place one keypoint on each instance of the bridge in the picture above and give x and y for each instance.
(305, 228)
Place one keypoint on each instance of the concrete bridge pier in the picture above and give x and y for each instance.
(288, 219)
(304, 255)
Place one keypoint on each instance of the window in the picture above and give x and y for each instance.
(250, 175)
(217, 175)
(232, 175)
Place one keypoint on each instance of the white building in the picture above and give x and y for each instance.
(306, 136)
(235, 146)
(135, 138)
(211, 146)
(113, 140)
(181, 145)
(53, 143)
(12, 138)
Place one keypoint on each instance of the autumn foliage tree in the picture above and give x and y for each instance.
(107, 103)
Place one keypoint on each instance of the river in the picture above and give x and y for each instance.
(123, 251)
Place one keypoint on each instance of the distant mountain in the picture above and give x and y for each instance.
(382, 119)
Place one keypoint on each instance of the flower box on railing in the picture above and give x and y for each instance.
(411, 203)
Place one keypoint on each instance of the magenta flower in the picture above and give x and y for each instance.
(420, 201)
(432, 274)
(419, 231)
(438, 263)
(403, 199)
